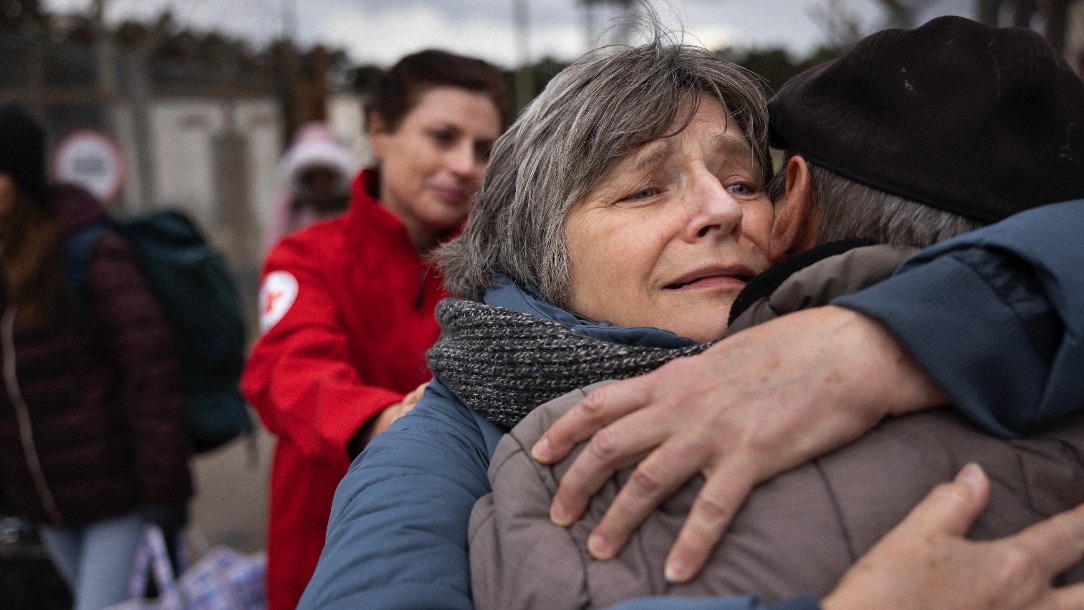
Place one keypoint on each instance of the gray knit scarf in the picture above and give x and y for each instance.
(503, 363)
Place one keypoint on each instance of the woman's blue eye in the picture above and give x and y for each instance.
(643, 193)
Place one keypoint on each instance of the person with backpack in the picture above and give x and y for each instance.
(347, 305)
(93, 442)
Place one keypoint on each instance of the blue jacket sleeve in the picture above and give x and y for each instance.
(996, 317)
(397, 537)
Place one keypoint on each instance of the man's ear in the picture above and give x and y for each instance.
(797, 215)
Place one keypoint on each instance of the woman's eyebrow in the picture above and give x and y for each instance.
(730, 144)
(652, 152)
(444, 126)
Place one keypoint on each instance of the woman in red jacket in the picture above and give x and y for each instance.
(346, 306)
(93, 442)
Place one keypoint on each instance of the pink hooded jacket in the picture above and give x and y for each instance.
(314, 146)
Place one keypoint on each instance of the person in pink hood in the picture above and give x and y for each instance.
(316, 173)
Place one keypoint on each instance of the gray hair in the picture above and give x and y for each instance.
(593, 114)
(851, 209)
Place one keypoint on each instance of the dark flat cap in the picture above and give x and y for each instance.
(978, 121)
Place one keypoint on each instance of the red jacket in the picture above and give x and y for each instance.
(93, 426)
(346, 312)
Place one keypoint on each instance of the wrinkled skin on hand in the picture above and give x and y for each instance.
(925, 562)
(754, 405)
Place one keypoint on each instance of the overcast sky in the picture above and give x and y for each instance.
(380, 31)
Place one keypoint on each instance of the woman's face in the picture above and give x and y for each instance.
(673, 233)
(432, 164)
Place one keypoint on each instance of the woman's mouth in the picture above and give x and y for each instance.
(451, 195)
(711, 278)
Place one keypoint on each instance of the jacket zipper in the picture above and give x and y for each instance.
(26, 431)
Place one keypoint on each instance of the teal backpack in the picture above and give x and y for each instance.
(197, 294)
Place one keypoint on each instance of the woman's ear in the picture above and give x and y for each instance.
(376, 130)
(797, 215)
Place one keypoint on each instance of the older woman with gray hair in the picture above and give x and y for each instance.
(618, 219)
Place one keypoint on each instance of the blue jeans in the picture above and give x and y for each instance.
(96, 559)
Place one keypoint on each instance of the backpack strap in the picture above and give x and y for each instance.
(77, 268)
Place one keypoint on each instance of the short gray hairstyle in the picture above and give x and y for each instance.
(593, 114)
(851, 209)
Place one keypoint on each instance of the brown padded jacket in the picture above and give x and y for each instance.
(798, 532)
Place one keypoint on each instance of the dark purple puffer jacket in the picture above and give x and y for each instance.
(91, 414)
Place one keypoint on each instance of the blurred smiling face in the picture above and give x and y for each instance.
(432, 163)
(673, 232)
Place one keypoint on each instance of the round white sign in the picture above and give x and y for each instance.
(93, 160)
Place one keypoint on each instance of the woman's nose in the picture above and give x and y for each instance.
(714, 210)
(462, 161)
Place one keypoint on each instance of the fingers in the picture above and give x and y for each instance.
(609, 450)
(417, 392)
(654, 479)
(926, 562)
(951, 507)
(598, 409)
(717, 503)
(1057, 542)
(402, 409)
(413, 397)
(1066, 598)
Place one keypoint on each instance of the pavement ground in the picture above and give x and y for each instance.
(230, 507)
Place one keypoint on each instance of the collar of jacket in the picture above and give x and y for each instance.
(365, 203)
(513, 352)
(769, 280)
(525, 299)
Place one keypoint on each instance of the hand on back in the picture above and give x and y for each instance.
(925, 561)
(755, 405)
